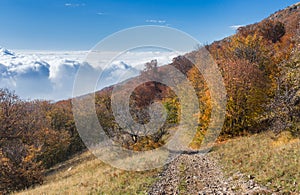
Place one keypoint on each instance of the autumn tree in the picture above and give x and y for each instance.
(249, 73)
(272, 30)
(19, 167)
(34, 135)
(62, 120)
(283, 112)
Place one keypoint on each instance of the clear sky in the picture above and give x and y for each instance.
(80, 24)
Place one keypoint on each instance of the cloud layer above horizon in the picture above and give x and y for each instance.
(50, 75)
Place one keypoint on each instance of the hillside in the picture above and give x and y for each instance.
(251, 165)
(85, 174)
(261, 73)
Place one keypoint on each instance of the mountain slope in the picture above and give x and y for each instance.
(260, 66)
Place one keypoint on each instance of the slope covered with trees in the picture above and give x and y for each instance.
(261, 72)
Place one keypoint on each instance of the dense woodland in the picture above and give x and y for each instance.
(260, 66)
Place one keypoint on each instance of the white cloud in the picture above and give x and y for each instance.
(235, 27)
(127, 65)
(50, 75)
(100, 13)
(74, 4)
(156, 21)
(38, 76)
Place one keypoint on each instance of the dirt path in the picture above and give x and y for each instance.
(199, 174)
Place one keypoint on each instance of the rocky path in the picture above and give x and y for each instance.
(199, 174)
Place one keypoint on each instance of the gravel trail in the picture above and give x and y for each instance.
(200, 174)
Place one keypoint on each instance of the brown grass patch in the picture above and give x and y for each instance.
(91, 176)
(274, 161)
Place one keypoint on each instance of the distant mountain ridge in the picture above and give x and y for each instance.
(4, 52)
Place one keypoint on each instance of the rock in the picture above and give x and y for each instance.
(250, 176)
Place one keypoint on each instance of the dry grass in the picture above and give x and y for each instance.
(85, 174)
(273, 161)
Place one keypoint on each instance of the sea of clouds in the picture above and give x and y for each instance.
(50, 75)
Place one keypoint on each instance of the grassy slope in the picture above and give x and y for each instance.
(84, 174)
(272, 161)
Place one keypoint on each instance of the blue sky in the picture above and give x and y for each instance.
(80, 24)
